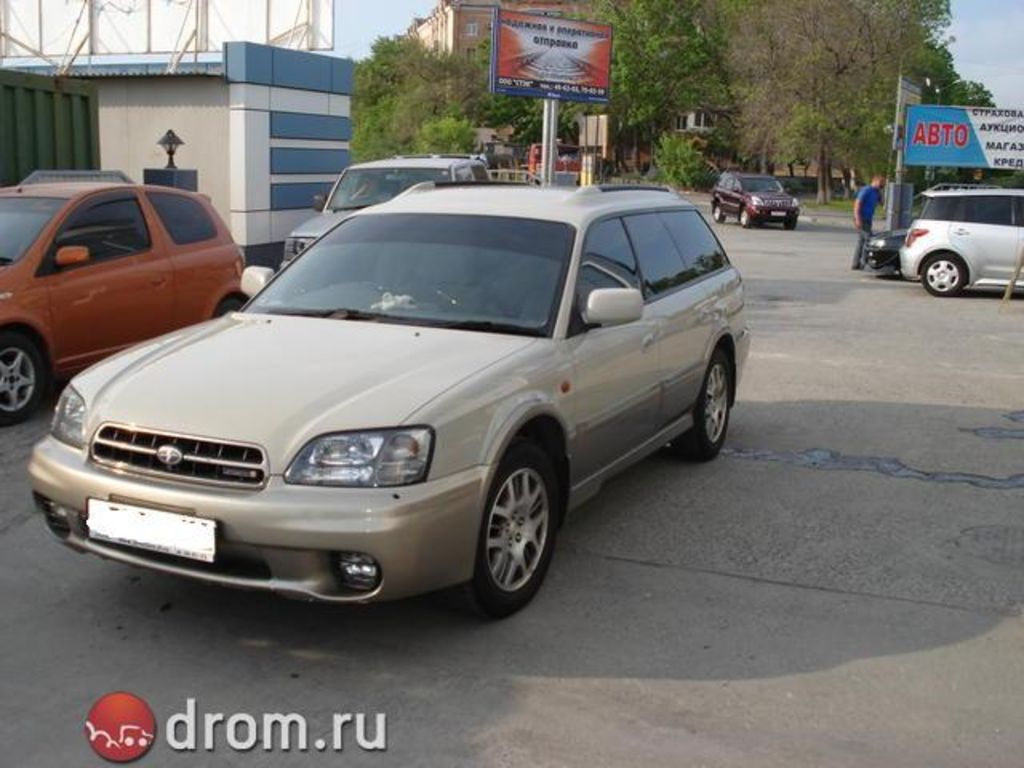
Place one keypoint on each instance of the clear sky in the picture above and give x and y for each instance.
(989, 36)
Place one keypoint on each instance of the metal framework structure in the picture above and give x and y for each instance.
(58, 32)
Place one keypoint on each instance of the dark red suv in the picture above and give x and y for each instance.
(753, 199)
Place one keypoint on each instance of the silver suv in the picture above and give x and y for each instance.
(416, 403)
(965, 238)
(366, 184)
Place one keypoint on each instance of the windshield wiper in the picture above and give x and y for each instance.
(488, 326)
(341, 313)
(341, 208)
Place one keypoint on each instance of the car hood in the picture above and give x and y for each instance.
(318, 225)
(280, 381)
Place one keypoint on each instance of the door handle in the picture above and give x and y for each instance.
(158, 281)
(961, 231)
(649, 340)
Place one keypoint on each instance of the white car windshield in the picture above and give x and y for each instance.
(363, 187)
(487, 273)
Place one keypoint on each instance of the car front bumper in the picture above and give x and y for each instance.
(773, 214)
(281, 538)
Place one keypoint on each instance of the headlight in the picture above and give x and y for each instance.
(877, 243)
(757, 200)
(69, 419)
(381, 458)
(293, 246)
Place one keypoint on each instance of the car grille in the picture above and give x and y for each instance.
(202, 460)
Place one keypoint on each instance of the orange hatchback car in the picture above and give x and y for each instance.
(87, 270)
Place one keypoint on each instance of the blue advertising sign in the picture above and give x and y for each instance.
(965, 137)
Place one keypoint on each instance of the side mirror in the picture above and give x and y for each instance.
(319, 203)
(72, 256)
(255, 279)
(613, 306)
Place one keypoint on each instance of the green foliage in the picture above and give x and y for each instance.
(446, 135)
(680, 162)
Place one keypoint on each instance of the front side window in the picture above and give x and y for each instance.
(110, 226)
(185, 219)
(609, 248)
(363, 187)
(487, 273)
(988, 209)
(660, 262)
(697, 245)
(21, 221)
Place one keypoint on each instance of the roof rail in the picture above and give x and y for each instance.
(634, 188)
(956, 186)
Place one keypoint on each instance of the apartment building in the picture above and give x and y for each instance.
(462, 26)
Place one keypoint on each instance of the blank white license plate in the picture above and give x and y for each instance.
(778, 213)
(152, 529)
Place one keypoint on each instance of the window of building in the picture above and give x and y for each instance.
(473, 29)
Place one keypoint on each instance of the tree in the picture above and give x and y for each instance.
(446, 135)
(680, 162)
(401, 87)
(824, 73)
(667, 60)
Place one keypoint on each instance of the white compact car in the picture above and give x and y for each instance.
(965, 238)
(415, 402)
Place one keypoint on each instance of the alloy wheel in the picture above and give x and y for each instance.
(716, 403)
(17, 379)
(517, 529)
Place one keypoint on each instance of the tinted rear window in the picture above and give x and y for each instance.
(941, 209)
(985, 209)
(185, 219)
(608, 247)
(700, 250)
(660, 262)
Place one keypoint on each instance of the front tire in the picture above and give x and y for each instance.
(711, 415)
(24, 377)
(228, 305)
(790, 223)
(944, 274)
(745, 219)
(517, 535)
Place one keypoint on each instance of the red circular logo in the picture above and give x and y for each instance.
(120, 727)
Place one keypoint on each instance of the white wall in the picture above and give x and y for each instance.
(134, 112)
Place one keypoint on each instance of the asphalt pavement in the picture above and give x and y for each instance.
(841, 588)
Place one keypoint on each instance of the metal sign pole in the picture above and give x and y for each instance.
(549, 149)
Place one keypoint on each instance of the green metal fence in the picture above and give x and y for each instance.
(46, 123)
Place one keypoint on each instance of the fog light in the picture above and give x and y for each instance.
(358, 571)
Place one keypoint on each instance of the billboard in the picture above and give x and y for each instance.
(550, 58)
(965, 137)
(57, 29)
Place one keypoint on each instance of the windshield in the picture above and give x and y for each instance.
(21, 221)
(362, 187)
(761, 185)
(485, 273)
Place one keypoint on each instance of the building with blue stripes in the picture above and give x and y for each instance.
(267, 130)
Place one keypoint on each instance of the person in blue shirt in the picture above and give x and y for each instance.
(868, 199)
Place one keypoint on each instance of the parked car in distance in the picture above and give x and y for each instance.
(87, 270)
(360, 186)
(415, 403)
(753, 199)
(965, 238)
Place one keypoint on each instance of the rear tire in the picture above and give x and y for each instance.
(25, 377)
(517, 534)
(228, 305)
(711, 415)
(717, 213)
(944, 275)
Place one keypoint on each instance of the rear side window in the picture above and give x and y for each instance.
(109, 226)
(700, 250)
(942, 209)
(660, 262)
(988, 209)
(608, 247)
(185, 219)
